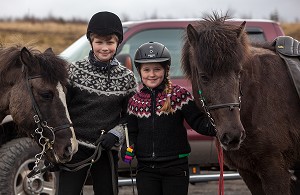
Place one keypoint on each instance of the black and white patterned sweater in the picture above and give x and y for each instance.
(158, 136)
(96, 102)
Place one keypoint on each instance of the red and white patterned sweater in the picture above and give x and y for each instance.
(159, 136)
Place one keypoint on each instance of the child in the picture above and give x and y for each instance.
(156, 129)
(98, 93)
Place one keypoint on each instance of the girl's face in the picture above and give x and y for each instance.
(152, 74)
(104, 47)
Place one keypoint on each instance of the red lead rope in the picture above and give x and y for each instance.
(221, 178)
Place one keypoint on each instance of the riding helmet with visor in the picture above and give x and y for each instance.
(152, 52)
(105, 23)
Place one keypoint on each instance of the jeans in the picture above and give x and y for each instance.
(173, 180)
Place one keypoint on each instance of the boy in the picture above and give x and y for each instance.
(98, 93)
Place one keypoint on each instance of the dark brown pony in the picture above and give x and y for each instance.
(247, 92)
(32, 91)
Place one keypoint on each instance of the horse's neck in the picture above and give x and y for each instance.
(9, 79)
(5, 91)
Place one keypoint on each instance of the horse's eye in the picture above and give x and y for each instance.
(47, 95)
(204, 78)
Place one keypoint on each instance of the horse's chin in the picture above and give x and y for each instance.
(231, 147)
(53, 157)
(232, 143)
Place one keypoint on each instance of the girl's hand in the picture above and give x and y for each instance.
(127, 154)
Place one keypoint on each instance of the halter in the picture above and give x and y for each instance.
(231, 106)
(45, 142)
(206, 108)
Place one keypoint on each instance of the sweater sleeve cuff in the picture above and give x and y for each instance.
(119, 132)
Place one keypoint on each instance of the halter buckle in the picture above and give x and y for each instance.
(36, 118)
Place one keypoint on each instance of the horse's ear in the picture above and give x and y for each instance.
(241, 29)
(26, 56)
(192, 34)
(49, 51)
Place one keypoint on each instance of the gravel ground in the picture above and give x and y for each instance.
(231, 187)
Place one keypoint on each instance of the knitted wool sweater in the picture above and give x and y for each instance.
(97, 102)
(158, 136)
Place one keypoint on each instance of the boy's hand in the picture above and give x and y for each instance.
(108, 141)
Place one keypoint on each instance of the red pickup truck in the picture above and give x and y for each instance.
(167, 31)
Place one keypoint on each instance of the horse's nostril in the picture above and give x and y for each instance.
(228, 139)
(68, 151)
(225, 139)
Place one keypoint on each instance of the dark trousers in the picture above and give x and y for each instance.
(71, 183)
(173, 180)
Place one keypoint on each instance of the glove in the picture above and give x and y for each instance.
(108, 141)
(127, 154)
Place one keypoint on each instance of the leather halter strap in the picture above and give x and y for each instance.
(230, 105)
(38, 117)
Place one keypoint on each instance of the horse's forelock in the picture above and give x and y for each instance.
(219, 47)
(54, 67)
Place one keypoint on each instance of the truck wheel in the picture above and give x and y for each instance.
(16, 161)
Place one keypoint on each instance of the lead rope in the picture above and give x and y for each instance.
(132, 183)
(219, 149)
(92, 162)
(130, 167)
(87, 174)
(113, 173)
(221, 178)
(95, 157)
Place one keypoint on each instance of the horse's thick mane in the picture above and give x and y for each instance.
(220, 47)
(53, 67)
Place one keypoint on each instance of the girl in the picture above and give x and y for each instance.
(156, 129)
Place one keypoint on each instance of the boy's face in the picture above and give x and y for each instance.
(104, 47)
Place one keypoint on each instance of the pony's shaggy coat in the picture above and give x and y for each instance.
(262, 139)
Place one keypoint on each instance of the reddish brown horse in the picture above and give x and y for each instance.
(251, 99)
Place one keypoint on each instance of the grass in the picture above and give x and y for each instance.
(292, 29)
(58, 36)
(42, 35)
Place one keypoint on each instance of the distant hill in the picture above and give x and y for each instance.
(60, 35)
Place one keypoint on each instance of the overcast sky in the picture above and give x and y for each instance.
(288, 10)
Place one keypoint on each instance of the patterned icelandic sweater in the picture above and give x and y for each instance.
(96, 102)
(158, 136)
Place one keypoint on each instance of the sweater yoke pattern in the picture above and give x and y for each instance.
(140, 104)
(89, 78)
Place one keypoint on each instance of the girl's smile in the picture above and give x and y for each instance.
(152, 74)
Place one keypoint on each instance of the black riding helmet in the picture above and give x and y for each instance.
(152, 52)
(105, 23)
